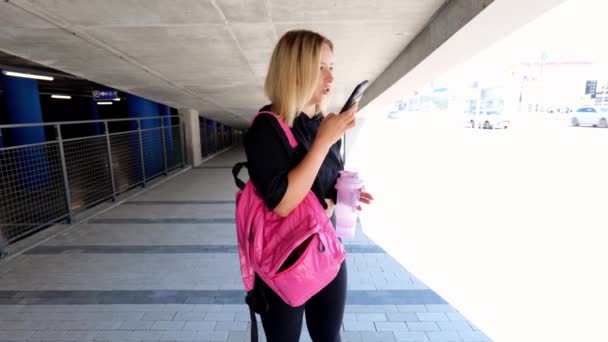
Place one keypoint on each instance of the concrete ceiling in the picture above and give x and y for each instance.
(63, 83)
(209, 55)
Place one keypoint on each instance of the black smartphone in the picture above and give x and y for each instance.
(355, 96)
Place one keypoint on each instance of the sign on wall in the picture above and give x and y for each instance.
(99, 95)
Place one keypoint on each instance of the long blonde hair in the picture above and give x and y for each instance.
(293, 72)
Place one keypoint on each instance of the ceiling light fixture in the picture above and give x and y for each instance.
(117, 99)
(104, 103)
(24, 75)
(62, 97)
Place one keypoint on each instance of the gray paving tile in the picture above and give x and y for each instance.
(159, 316)
(393, 297)
(136, 325)
(363, 249)
(422, 326)
(440, 308)
(412, 308)
(402, 316)
(160, 220)
(391, 326)
(189, 316)
(146, 335)
(370, 317)
(161, 249)
(351, 336)
(378, 336)
(411, 336)
(432, 316)
(138, 249)
(443, 336)
(15, 335)
(8, 294)
(168, 325)
(455, 326)
(214, 167)
(359, 326)
(177, 202)
(354, 297)
(240, 336)
(231, 326)
(207, 325)
(63, 335)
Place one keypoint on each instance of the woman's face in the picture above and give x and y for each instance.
(326, 76)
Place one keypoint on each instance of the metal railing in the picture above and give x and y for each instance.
(207, 146)
(212, 137)
(80, 164)
(215, 137)
(237, 137)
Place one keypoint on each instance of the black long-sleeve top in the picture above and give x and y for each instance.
(270, 157)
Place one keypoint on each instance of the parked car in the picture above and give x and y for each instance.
(590, 116)
(490, 119)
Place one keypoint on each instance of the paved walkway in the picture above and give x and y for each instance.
(163, 265)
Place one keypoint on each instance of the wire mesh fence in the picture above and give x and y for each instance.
(42, 183)
(219, 137)
(152, 146)
(211, 137)
(215, 137)
(126, 160)
(31, 189)
(88, 171)
(237, 137)
(175, 156)
(205, 148)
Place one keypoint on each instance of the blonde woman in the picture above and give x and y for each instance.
(299, 81)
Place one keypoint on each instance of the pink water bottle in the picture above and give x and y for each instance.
(349, 190)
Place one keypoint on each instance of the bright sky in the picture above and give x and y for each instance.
(574, 31)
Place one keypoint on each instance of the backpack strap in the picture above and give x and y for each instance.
(292, 139)
(235, 173)
(236, 169)
(254, 321)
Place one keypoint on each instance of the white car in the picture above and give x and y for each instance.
(590, 116)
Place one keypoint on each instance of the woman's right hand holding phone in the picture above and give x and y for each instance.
(333, 126)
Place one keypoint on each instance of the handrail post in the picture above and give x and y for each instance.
(162, 128)
(141, 153)
(64, 172)
(107, 134)
(182, 133)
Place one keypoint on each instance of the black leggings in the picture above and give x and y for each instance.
(324, 312)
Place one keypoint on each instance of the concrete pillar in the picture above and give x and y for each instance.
(204, 137)
(165, 110)
(213, 132)
(220, 135)
(193, 136)
(139, 107)
(22, 102)
(22, 105)
(94, 115)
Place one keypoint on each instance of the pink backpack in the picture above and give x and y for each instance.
(266, 240)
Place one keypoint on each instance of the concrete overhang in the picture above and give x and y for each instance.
(208, 55)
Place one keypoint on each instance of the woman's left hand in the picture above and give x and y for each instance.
(365, 197)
